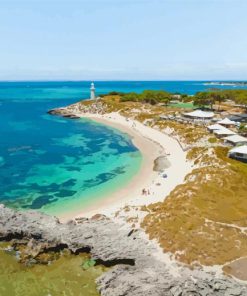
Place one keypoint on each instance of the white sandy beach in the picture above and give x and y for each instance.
(152, 144)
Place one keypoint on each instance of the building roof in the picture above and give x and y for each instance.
(224, 131)
(236, 139)
(239, 149)
(226, 121)
(234, 118)
(243, 115)
(238, 117)
(215, 127)
(200, 114)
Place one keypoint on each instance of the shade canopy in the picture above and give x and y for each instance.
(227, 121)
(200, 114)
(239, 149)
(236, 139)
(224, 132)
(215, 127)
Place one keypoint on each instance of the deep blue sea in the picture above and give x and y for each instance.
(54, 164)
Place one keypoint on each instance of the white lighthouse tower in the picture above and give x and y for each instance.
(92, 91)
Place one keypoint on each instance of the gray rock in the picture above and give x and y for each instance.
(176, 291)
(135, 269)
(234, 291)
(161, 163)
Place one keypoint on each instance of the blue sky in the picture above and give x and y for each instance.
(123, 39)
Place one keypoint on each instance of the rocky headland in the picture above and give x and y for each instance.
(135, 267)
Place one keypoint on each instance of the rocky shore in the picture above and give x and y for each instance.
(135, 266)
(63, 112)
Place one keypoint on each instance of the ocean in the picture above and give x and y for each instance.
(56, 165)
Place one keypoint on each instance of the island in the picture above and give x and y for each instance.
(179, 227)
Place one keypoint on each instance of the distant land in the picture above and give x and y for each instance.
(232, 83)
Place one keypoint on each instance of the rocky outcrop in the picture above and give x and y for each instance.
(92, 107)
(63, 112)
(161, 163)
(136, 269)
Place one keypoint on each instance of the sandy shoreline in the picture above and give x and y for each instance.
(152, 144)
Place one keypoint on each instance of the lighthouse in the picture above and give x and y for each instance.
(92, 91)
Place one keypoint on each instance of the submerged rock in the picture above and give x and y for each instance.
(135, 267)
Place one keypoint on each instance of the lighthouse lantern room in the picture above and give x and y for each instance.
(92, 91)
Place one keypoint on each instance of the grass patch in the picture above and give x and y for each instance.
(189, 105)
(213, 140)
(199, 220)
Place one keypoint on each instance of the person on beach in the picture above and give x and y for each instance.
(144, 191)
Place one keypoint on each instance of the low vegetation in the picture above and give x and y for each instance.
(216, 96)
(204, 220)
(186, 133)
(49, 273)
(211, 99)
(148, 96)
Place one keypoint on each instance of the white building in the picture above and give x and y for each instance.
(239, 153)
(214, 127)
(226, 122)
(200, 114)
(223, 132)
(236, 140)
(92, 91)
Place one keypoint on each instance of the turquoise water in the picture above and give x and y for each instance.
(57, 165)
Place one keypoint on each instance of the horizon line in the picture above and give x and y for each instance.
(122, 80)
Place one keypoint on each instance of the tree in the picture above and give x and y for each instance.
(219, 96)
(132, 97)
(148, 96)
(156, 96)
(185, 98)
(243, 129)
(164, 97)
(242, 98)
(203, 98)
